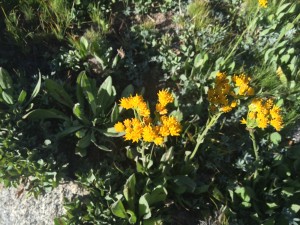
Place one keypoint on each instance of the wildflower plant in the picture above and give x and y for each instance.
(223, 98)
(142, 127)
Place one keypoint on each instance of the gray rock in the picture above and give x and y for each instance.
(16, 208)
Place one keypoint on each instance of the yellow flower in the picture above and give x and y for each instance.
(158, 141)
(170, 126)
(149, 134)
(125, 103)
(226, 109)
(161, 109)
(263, 3)
(242, 82)
(243, 121)
(276, 123)
(119, 127)
(263, 113)
(164, 97)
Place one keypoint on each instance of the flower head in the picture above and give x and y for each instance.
(263, 113)
(263, 3)
(142, 127)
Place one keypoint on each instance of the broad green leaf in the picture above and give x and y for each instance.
(128, 90)
(87, 90)
(22, 97)
(79, 92)
(295, 208)
(153, 221)
(80, 151)
(84, 42)
(159, 194)
(275, 138)
(85, 141)
(5, 79)
(144, 209)
(101, 147)
(217, 194)
(281, 8)
(132, 217)
(111, 132)
(243, 193)
(168, 155)
(79, 113)
(106, 94)
(129, 191)
(117, 208)
(58, 93)
(199, 60)
(69, 130)
(7, 98)
(185, 183)
(38, 114)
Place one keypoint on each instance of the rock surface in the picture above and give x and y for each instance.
(16, 208)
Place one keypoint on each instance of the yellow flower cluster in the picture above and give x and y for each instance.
(223, 96)
(142, 128)
(137, 103)
(263, 3)
(263, 113)
(242, 82)
(164, 98)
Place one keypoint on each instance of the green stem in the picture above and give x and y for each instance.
(255, 148)
(209, 124)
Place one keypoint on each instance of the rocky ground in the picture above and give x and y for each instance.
(16, 208)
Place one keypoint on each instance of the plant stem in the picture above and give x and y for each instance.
(255, 148)
(209, 124)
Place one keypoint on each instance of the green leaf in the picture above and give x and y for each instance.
(84, 42)
(79, 113)
(281, 8)
(5, 79)
(7, 98)
(132, 217)
(80, 151)
(79, 91)
(243, 193)
(69, 130)
(185, 183)
(128, 90)
(275, 138)
(38, 114)
(217, 194)
(111, 132)
(36, 90)
(85, 141)
(114, 114)
(129, 191)
(153, 221)
(159, 194)
(295, 208)
(88, 91)
(58, 93)
(22, 97)
(144, 209)
(106, 94)
(117, 208)
(199, 60)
